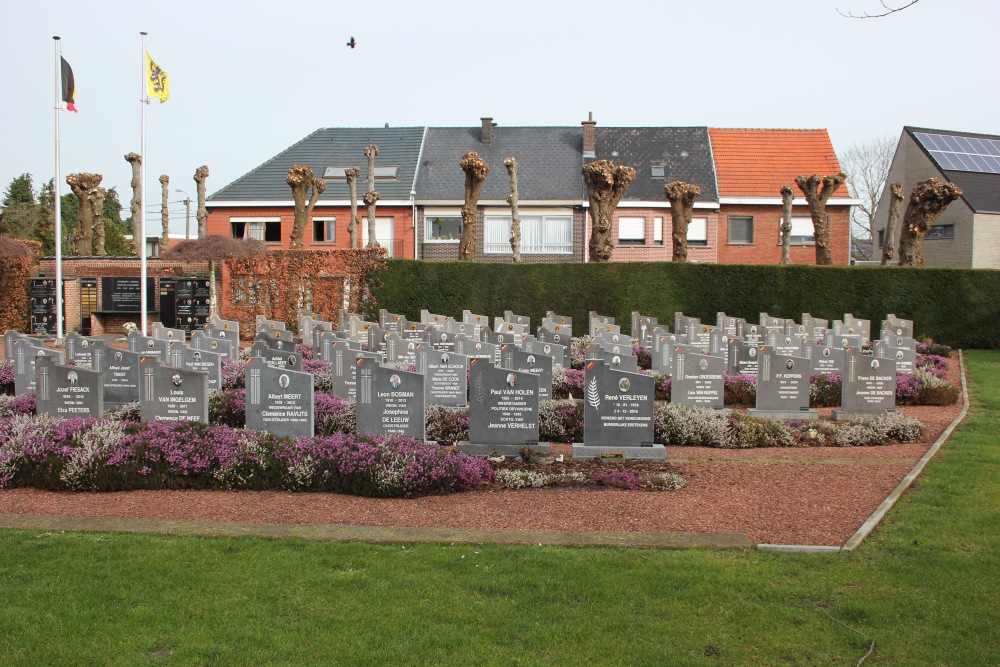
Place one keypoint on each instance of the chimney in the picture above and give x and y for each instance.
(589, 139)
(487, 130)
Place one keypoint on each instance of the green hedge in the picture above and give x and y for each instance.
(958, 307)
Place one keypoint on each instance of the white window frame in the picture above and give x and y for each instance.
(800, 225)
(631, 230)
(539, 234)
(327, 220)
(429, 216)
(253, 224)
(696, 225)
(385, 221)
(658, 230)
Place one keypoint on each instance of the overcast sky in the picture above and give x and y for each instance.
(250, 78)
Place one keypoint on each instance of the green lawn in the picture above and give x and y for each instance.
(925, 586)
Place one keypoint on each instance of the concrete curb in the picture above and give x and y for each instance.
(374, 534)
(876, 517)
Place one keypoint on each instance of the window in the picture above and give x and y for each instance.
(631, 231)
(260, 229)
(741, 229)
(383, 233)
(656, 171)
(540, 234)
(324, 230)
(941, 232)
(658, 231)
(698, 232)
(802, 232)
(442, 227)
(881, 238)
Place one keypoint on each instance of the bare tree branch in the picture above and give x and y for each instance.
(887, 8)
(867, 167)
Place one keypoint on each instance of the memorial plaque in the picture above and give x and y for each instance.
(783, 387)
(906, 359)
(277, 358)
(171, 394)
(42, 306)
(390, 402)
(869, 385)
(79, 350)
(202, 341)
(617, 413)
(122, 294)
(824, 359)
(540, 365)
(698, 379)
(146, 346)
(121, 374)
(25, 355)
(67, 391)
(205, 361)
(185, 304)
(446, 379)
(503, 410)
(279, 400)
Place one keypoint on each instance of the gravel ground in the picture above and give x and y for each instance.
(817, 496)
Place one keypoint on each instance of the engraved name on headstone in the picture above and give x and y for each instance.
(390, 402)
(279, 400)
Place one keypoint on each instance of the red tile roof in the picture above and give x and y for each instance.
(757, 162)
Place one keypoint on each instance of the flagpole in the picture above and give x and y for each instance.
(141, 244)
(57, 226)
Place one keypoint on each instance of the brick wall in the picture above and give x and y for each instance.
(652, 251)
(766, 246)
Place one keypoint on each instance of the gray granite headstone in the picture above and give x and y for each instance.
(608, 333)
(427, 317)
(279, 400)
(67, 391)
(318, 328)
(277, 358)
(564, 321)
(869, 385)
(445, 377)
(205, 361)
(511, 316)
(841, 340)
(503, 411)
(202, 341)
(754, 334)
(596, 319)
(343, 370)
(783, 387)
(391, 321)
(815, 327)
(477, 350)
(556, 333)
(906, 359)
(618, 357)
(219, 326)
(743, 357)
(148, 346)
(261, 323)
(120, 369)
(558, 352)
(169, 394)
(275, 339)
(898, 326)
(80, 350)
(786, 344)
(823, 359)
(617, 414)
(157, 330)
(662, 356)
(390, 402)
(540, 365)
(860, 327)
(698, 379)
(470, 317)
(25, 355)
(9, 337)
(903, 342)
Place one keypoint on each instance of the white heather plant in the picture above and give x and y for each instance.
(532, 479)
(688, 425)
(79, 470)
(876, 429)
(665, 481)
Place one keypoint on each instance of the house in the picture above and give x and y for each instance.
(259, 204)
(551, 193)
(967, 233)
(751, 165)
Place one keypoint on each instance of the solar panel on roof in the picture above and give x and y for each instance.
(962, 153)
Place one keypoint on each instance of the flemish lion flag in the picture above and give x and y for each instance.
(156, 80)
(68, 86)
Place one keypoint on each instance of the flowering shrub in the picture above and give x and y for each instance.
(567, 382)
(642, 355)
(934, 390)
(446, 425)
(7, 378)
(825, 390)
(332, 414)
(17, 405)
(933, 348)
(661, 387)
(740, 389)
(560, 421)
(744, 431)
(533, 479)
(129, 327)
(577, 346)
(619, 479)
(234, 373)
(686, 425)
(934, 364)
(875, 430)
(228, 407)
(305, 350)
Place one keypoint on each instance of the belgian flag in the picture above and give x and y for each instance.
(68, 86)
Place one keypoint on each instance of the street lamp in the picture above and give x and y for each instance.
(187, 220)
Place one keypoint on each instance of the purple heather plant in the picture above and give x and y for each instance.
(305, 350)
(619, 479)
(233, 374)
(7, 378)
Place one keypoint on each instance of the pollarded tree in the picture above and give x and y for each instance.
(301, 178)
(681, 196)
(787, 197)
(138, 244)
(606, 184)
(164, 212)
(83, 185)
(888, 236)
(200, 176)
(476, 170)
(515, 214)
(372, 195)
(352, 173)
(927, 201)
(97, 206)
(816, 198)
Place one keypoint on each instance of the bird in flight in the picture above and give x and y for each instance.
(352, 43)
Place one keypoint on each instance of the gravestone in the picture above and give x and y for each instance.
(718, 344)
(446, 380)
(427, 317)
(202, 341)
(555, 350)
(824, 359)
(564, 321)
(227, 329)
(277, 358)
(869, 386)
(9, 337)
(743, 357)
(318, 328)
(161, 332)
(503, 411)
(618, 357)
(510, 328)
(617, 414)
(785, 344)
(841, 340)
(555, 333)
(390, 402)
(815, 327)
(662, 356)
(204, 361)
(25, 355)
(901, 342)
(474, 349)
(67, 391)
(279, 400)
(783, 387)
(79, 350)
(391, 321)
(595, 319)
(121, 374)
(732, 326)
(306, 324)
(906, 359)
(857, 326)
(700, 335)
(276, 339)
(642, 328)
(147, 346)
(540, 365)
(608, 333)
(444, 341)
(169, 394)
(470, 317)
(511, 316)
(898, 326)
(261, 323)
(698, 379)
(343, 370)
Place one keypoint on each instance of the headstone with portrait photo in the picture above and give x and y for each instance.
(67, 391)
(343, 370)
(317, 328)
(225, 329)
(897, 326)
(553, 319)
(824, 359)
(783, 387)
(168, 394)
(427, 317)
(279, 400)
(261, 323)
(743, 357)
(445, 377)
(816, 327)
(595, 319)
(558, 352)
(905, 358)
(754, 334)
(555, 333)
(698, 379)
(224, 346)
(474, 349)
(80, 350)
(277, 358)
(390, 402)
(148, 346)
(157, 330)
(513, 318)
(540, 365)
(732, 326)
(194, 359)
(25, 355)
(869, 386)
(608, 333)
(618, 357)
(617, 414)
(786, 344)
(120, 370)
(503, 411)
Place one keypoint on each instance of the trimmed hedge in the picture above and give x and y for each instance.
(958, 307)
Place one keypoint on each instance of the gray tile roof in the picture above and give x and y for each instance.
(980, 190)
(334, 146)
(685, 153)
(549, 161)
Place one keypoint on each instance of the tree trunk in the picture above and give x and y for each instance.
(164, 213)
(816, 198)
(200, 175)
(515, 214)
(138, 244)
(476, 170)
(927, 201)
(681, 196)
(83, 185)
(97, 206)
(785, 228)
(300, 179)
(372, 196)
(352, 174)
(889, 235)
(606, 184)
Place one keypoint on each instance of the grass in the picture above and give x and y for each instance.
(923, 586)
